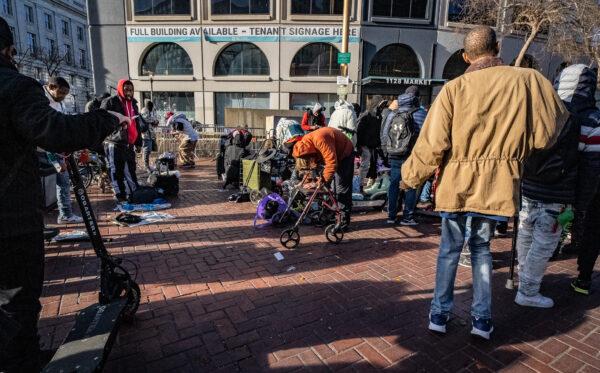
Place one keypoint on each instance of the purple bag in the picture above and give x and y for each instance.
(269, 209)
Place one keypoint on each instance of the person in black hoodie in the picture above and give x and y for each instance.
(548, 188)
(120, 145)
(28, 121)
(367, 134)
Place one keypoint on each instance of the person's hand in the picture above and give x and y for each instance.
(403, 185)
(123, 120)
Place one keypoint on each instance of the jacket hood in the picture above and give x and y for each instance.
(120, 85)
(303, 148)
(576, 86)
(374, 104)
(408, 101)
(340, 104)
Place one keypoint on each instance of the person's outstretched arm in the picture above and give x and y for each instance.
(40, 125)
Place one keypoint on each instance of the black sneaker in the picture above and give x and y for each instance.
(581, 287)
(501, 229)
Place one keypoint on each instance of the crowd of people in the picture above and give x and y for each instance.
(498, 142)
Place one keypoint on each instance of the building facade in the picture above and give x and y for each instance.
(51, 37)
(201, 57)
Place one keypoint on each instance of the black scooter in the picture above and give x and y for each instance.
(89, 342)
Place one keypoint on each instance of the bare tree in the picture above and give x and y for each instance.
(578, 38)
(529, 18)
(24, 57)
(52, 60)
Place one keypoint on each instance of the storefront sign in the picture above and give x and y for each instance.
(411, 81)
(177, 34)
(303, 34)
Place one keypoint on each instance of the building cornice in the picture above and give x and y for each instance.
(69, 7)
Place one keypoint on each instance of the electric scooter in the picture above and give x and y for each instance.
(90, 341)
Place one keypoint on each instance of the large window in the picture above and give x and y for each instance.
(167, 59)
(327, 7)
(162, 7)
(397, 60)
(302, 101)
(455, 66)
(79, 33)
(245, 100)
(68, 54)
(49, 21)
(318, 59)
(31, 42)
(224, 7)
(242, 59)
(66, 28)
(29, 14)
(416, 9)
(180, 102)
(6, 7)
(82, 58)
(458, 13)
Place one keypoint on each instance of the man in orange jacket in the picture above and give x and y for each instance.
(329, 146)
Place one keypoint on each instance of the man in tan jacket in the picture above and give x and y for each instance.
(479, 131)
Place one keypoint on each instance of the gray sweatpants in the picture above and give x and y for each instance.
(539, 234)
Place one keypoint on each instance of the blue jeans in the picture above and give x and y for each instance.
(146, 150)
(63, 194)
(454, 231)
(426, 192)
(410, 196)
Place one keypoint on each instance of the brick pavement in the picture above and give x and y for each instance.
(214, 298)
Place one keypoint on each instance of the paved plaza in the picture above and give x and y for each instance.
(215, 298)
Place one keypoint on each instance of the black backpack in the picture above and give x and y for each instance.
(402, 134)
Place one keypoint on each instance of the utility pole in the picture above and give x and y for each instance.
(345, 60)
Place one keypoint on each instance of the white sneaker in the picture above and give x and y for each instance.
(537, 300)
(73, 219)
(390, 221)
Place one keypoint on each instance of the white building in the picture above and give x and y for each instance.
(51, 37)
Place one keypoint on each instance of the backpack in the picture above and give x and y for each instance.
(402, 135)
(270, 209)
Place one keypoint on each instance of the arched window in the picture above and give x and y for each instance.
(317, 59)
(397, 60)
(167, 59)
(455, 66)
(241, 59)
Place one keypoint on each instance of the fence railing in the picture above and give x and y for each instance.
(208, 144)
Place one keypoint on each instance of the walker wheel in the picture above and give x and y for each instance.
(133, 302)
(290, 238)
(333, 235)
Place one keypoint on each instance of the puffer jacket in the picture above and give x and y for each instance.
(479, 131)
(28, 121)
(576, 86)
(407, 103)
(328, 146)
(344, 119)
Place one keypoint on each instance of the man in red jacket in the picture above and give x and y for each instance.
(331, 147)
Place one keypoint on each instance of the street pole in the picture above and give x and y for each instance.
(152, 87)
(343, 90)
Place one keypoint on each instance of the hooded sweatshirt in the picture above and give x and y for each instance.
(310, 119)
(187, 130)
(129, 111)
(328, 145)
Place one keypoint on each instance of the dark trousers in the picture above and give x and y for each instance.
(21, 266)
(343, 179)
(121, 165)
(587, 234)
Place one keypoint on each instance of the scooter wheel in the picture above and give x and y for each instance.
(290, 238)
(133, 302)
(333, 235)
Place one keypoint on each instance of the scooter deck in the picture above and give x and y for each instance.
(90, 340)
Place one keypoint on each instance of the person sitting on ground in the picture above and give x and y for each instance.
(579, 97)
(548, 187)
(331, 148)
(344, 119)
(150, 116)
(390, 139)
(479, 130)
(187, 135)
(56, 90)
(313, 119)
(119, 147)
(28, 122)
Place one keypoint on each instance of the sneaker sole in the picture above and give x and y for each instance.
(482, 334)
(580, 290)
(533, 305)
(409, 224)
(437, 328)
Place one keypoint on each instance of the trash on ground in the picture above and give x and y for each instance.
(71, 236)
(278, 256)
(290, 269)
(128, 207)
